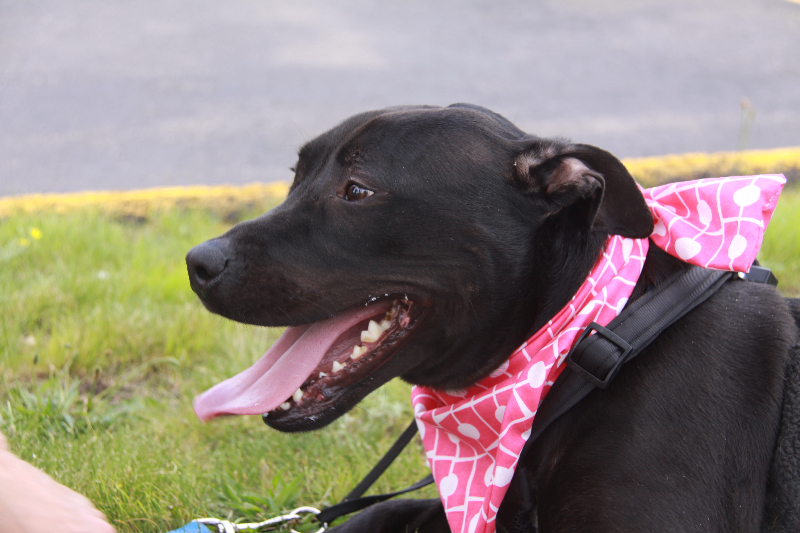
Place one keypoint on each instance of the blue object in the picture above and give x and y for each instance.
(193, 527)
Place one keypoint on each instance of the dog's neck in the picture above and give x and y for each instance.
(561, 264)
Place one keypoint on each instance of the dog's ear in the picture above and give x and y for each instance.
(589, 181)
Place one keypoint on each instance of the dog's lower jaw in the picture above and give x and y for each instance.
(325, 399)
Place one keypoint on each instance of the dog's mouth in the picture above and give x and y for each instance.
(311, 367)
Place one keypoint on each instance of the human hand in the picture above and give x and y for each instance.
(32, 502)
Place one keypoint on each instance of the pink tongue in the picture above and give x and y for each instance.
(280, 371)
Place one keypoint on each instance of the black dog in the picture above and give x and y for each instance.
(465, 235)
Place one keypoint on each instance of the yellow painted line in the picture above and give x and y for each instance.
(222, 198)
(662, 169)
(231, 198)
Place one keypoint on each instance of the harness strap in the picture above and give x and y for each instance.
(595, 359)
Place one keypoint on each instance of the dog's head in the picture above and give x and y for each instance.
(419, 242)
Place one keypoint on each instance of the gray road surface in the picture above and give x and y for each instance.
(101, 94)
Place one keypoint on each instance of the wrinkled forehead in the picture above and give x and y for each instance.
(411, 138)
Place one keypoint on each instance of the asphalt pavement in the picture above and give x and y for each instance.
(101, 94)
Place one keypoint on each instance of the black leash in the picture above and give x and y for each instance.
(354, 502)
(592, 363)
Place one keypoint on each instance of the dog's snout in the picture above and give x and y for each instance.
(205, 263)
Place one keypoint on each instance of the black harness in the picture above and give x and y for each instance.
(592, 363)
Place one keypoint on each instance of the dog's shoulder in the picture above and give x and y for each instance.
(794, 307)
(699, 406)
(737, 341)
(738, 308)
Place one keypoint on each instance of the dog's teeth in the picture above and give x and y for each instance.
(386, 324)
(372, 332)
(298, 395)
(337, 366)
(285, 406)
(323, 375)
(358, 351)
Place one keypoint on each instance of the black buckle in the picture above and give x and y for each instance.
(760, 274)
(611, 337)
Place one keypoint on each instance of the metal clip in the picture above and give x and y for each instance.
(225, 526)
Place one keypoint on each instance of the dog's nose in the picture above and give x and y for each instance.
(205, 263)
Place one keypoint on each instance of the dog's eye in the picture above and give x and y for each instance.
(355, 192)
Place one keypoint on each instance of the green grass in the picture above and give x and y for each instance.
(103, 346)
(151, 466)
(780, 249)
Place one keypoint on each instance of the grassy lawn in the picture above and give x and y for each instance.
(103, 346)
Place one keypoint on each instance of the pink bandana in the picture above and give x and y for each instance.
(473, 437)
